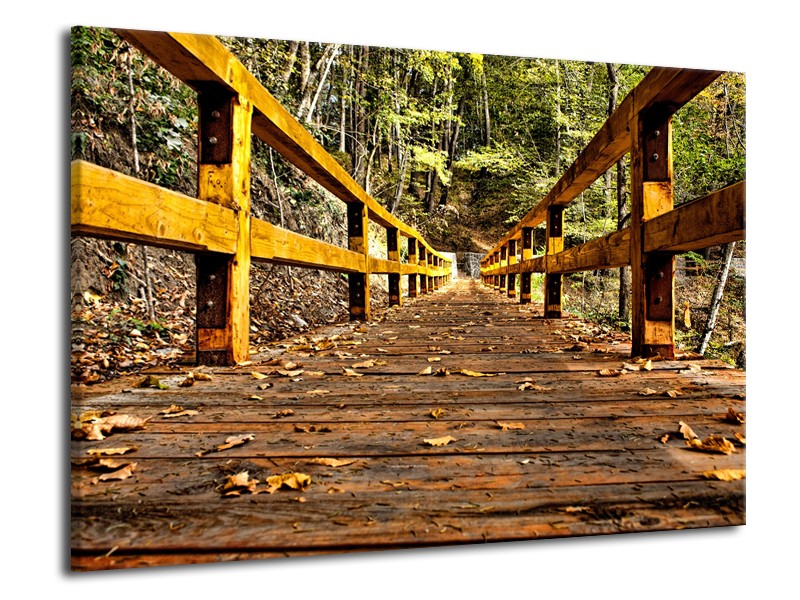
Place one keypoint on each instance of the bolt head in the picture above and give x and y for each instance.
(212, 140)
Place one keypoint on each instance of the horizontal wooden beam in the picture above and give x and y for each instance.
(273, 244)
(381, 266)
(198, 60)
(715, 219)
(608, 252)
(669, 87)
(108, 204)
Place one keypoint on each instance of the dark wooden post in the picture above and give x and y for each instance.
(358, 237)
(393, 254)
(512, 260)
(555, 244)
(527, 254)
(412, 260)
(223, 281)
(503, 264)
(652, 274)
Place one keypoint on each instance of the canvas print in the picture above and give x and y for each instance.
(331, 298)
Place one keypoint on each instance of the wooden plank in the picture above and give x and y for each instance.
(718, 218)
(108, 204)
(281, 246)
(612, 250)
(199, 59)
(358, 240)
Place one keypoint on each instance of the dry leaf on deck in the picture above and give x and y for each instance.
(286, 373)
(312, 429)
(609, 373)
(235, 484)
(734, 417)
(317, 392)
(183, 413)
(469, 373)
(740, 438)
(648, 392)
(437, 413)
(441, 372)
(188, 382)
(314, 373)
(686, 431)
(351, 373)
(426, 371)
(507, 426)
(445, 352)
(442, 441)
(264, 386)
(200, 376)
(120, 474)
(364, 365)
(529, 385)
(110, 451)
(258, 375)
(230, 442)
(152, 381)
(433, 359)
(286, 412)
(725, 474)
(672, 393)
(648, 365)
(332, 462)
(294, 481)
(713, 443)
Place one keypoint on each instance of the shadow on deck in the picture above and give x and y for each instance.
(572, 453)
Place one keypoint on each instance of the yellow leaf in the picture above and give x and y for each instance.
(183, 413)
(200, 376)
(110, 451)
(528, 385)
(230, 442)
(742, 440)
(287, 373)
(442, 441)
(734, 417)
(294, 481)
(672, 393)
(314, 373)
(437, 413)
(507, 426)
(351, 373)
(441, 372)
(235, 484)
(123, 473)
(469, 373)
(433, 359)
(264, 386)
(317, 392)
(258, 375)
(687, 316)
(648, 366)
(725, 474)
(426, 371)
(713, 443)
(286, 412)
(364, 365)
(609, 373)
(648, 392)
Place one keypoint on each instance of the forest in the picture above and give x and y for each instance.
(458, 145)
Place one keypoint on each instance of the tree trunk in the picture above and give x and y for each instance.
(287, 71)
(716, 299)
(331, 51)
(398, 195)
(488, 131)
(451, 151)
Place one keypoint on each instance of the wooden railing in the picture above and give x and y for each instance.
(641, 126)
(217, 225)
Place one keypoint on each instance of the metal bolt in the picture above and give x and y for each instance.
(210, 304)
(654, 157)
(215, 114)
(658, 299)
(212, 140)
(212, 277)
(660, 275)
(657, 132)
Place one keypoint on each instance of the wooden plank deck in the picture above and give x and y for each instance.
(591, 459)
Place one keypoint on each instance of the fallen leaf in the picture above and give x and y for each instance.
(507, 426)
(317, 392)
(287, 373)
(609, 373)
(312, 429)
(286, 412)
(351, 373)
(734, 417)
(441, 372)
(742, 440)
(200, 376)
(264, 386)
(294, 481)
(532, 386)
(230, 442)
(426, 371)
(188, 382)
(364, 365)
(437, 413)
(332, 462)
(686, 431)
(433, 359)
(574, 509)
(183, 413)
(672, 393)
(314, 373)
(725, 474)
(235, 484)
(173, 408)
(648, 365)
(445, 352)
(469, 373)
(258, 375)
(290, 365)
(664, 438)
(648, 392)
(442, 441)
(123, 473)
(713, 443)
(394, 483)
(151, 381)
(111, 451)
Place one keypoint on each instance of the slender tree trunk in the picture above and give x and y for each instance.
(451, 149)
(558, 121)
(716, 298)
(331, 51)
(488, 131)
(148, 288)
(398, 194)
(287, 71)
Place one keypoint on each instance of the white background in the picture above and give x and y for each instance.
(759, 558)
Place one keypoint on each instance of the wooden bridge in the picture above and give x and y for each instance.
(458, 415)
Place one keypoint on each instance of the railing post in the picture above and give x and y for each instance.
(525, 277)
(412, 260)
(501, 286)
(223, 281)
(555, 244)
(358, 238)
(652, 274)
(393, 254)
(423, 263)
(512, 260)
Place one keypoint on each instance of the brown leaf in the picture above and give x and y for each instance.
(258, 375)
(151, 381)
(200, 376)
(364, 364)
(110, 451)
(230, 442)
(314, 373)
(264, 386)
(442, 441)
(672, 393)
(441, 372)
(235, 484)
(287, 373)
(123, 473)
(434, 359)
(317, 392)
(332, 462)
(648, 392)
(312, 428)
(713, 443)
(188, 382)
(507, 426)
(532, 386)
(437, 413)
(351, 373)
(725, 474)
(609, 373)
(426, 371)
(740, 438)
(686, 431)
(286, 412)
(183, 413)
(734, 417)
